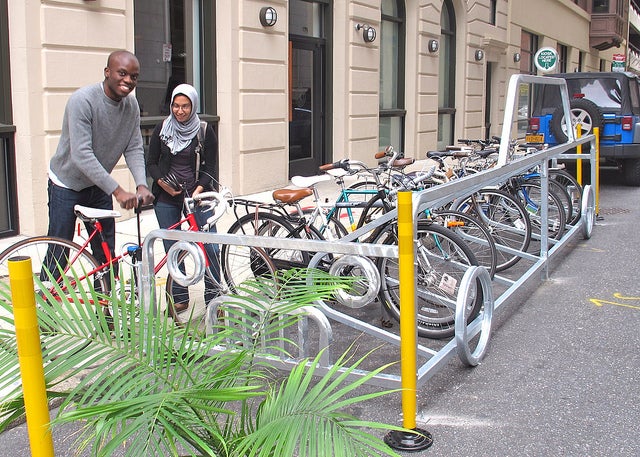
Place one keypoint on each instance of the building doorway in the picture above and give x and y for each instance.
(307, 87)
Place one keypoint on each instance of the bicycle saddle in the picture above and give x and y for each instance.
(86, 213)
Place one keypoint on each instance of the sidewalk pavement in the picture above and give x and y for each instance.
(561, 372)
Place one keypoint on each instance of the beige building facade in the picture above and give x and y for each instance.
(286, 97)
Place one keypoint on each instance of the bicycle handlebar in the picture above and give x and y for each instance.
(213, 201)
(482, 143)
(410, 183)
(343, 164)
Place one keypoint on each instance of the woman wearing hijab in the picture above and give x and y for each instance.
(179, 166)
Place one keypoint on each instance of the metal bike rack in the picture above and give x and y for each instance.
(430, 198)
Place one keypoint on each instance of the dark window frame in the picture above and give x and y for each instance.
(6, 116)
(563, 55)
(493, 11)
(7, 131)
(398, 111)
(208, 73)
(528, 49)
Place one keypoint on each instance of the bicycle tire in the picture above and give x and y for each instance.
(507, 221)
(84, 274)
(238, 264)
(36, 249)
(561, 193)
(376, 206)
(442, 259)
(474, 233)
(268, 224)
(331, 230)
(350, 217)
(530, 194)
(573, 188)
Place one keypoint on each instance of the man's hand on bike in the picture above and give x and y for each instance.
(144, 195)
(129, 200)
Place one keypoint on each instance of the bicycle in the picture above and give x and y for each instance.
(336, 218)
(443, 258)
(469, 229)
(273, 220)
(73, 267)
(561, 183)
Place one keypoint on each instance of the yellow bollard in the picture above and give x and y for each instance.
(421, 439)
(596, 132)
(408, 331)
(579, 151)
(30, 356)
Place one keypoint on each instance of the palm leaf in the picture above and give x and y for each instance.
(164, 389)
(302, 418)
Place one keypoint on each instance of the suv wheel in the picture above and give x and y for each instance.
(583, 111)
(631, 172)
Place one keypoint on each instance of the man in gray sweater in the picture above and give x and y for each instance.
(101, 124)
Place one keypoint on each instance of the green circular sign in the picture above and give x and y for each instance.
(546, 59)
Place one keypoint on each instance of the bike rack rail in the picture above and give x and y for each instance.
(429, 198)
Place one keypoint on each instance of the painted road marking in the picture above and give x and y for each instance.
(619, 296)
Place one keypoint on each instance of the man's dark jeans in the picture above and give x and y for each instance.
(62, 222)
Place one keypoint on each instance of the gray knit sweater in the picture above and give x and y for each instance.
(96, 132)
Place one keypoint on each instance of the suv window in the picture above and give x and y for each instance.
(609, 101)
(606, 93)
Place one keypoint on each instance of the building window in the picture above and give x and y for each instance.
(603, 65)
(601, 6)
(493, 9)
(6, 117)
(528, 49)
(392, 112)
(174, 41)
(8, 192)
(175, 44)
(562, 58)
(447, 68)
(580, 60)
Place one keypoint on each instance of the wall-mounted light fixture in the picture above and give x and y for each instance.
(433, 45)
(268, 16)
(368, 32)
(516, 57)
(479, 55)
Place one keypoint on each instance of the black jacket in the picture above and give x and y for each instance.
(159, 159)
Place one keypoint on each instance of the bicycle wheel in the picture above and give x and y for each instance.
(236, 264)
(507, 221)
(442, 259)
(68, 273)
(474, 233)
(561, 193)
(376, 207)
(268, 224)
(530, 195)
(60, 257)
(354, 200)
(573, 188)
(330, 230)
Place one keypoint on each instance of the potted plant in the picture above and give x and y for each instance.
(167, 390)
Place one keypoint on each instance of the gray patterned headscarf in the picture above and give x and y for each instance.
(177, 135)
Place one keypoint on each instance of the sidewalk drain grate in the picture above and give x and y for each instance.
(612, 211)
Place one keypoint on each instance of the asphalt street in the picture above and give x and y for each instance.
(561, 373)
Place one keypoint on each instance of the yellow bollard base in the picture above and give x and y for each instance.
(409, 441)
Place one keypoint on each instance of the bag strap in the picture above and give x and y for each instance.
(201, 135)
